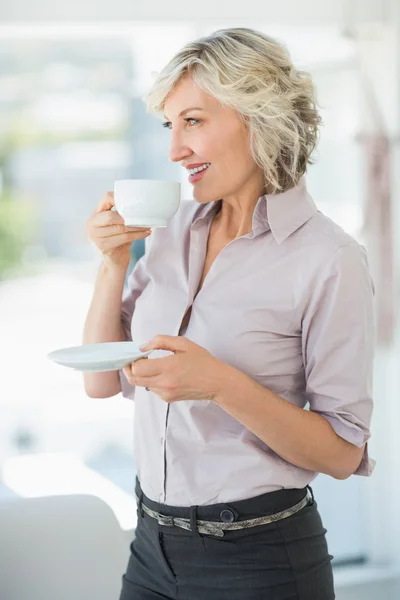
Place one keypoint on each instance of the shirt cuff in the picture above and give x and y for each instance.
(367, 464)
(357, 436)
(127, 390)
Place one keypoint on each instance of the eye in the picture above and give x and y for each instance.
(192, 121)
(189, 120)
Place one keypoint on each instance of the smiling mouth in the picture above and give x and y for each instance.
(199, 169)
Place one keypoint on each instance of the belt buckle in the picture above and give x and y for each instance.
(165, 520)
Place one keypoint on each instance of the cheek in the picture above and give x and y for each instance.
(235, 164)
(232, 152)
(229, 153)
(208, 146)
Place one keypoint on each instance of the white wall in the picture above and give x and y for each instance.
(288, 12)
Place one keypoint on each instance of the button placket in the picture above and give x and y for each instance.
(163, 440)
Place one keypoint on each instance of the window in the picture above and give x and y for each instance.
(71, 122)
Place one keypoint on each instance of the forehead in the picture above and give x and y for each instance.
(187, 93)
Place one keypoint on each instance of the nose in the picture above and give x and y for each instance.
(177, 150)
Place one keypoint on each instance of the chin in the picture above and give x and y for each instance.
(204, 197)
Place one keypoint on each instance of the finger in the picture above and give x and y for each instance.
(140, 380)
(145, 368)
(108, 217)
(110, 230)
(117, 241)
(153, 367)
(172, 343)
(127, 369)
(150, 382)
(106, 203)
(115, 230)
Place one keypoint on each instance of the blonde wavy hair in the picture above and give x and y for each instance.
(254, 75)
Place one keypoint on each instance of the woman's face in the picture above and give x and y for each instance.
(209, 136)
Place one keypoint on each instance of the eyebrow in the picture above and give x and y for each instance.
(181, 114)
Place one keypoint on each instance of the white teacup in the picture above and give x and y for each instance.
(146, 202)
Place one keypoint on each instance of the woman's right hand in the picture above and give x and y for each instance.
(107, 231)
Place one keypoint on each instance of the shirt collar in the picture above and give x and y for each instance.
(281, 213)
(288, 211)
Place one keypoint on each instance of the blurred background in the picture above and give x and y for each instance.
(72, 120)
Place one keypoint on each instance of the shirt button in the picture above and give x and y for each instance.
(161, 441)
(227, 516)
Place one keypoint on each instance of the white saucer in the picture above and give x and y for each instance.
(98, 358)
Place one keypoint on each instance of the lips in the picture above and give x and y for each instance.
(194, 166)
(197, 176)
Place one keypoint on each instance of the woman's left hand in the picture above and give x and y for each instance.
(191, 373)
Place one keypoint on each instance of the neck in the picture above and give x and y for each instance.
(235, 218)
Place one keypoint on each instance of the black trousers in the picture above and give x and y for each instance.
(284, 560)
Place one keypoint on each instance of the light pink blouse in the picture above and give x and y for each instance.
(290, 304)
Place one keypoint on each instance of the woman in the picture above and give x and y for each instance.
(255, 304)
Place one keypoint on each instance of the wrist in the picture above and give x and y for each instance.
(234, 387)
(226, 381)
(114, 269)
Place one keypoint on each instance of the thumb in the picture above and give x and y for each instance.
(172, 343)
